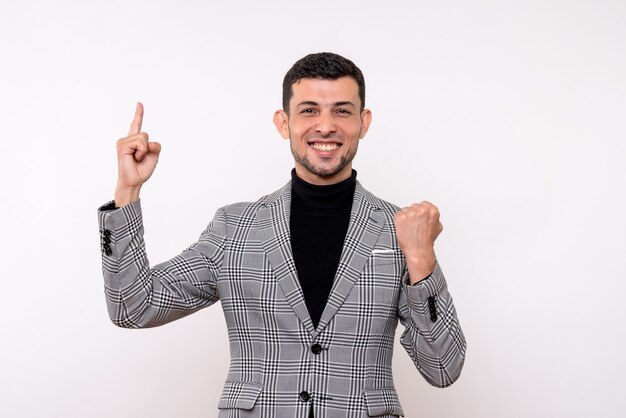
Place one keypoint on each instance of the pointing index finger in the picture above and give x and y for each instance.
(135, 126)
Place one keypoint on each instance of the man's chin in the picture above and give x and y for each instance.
(325, 172)
(328, 175)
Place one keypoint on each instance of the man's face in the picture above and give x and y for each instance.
(324, 126)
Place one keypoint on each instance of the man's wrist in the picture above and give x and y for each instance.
(125, 196)
(420, 268)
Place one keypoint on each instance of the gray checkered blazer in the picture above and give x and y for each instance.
(280, 364)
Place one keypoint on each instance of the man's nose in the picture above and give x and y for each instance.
(326, 124)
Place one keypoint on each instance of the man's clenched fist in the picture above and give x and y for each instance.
(417, 228)
(136, 159)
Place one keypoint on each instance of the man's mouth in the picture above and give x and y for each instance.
(324, 146)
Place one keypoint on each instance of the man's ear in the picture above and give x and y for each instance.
(366, 120)
(281, 121)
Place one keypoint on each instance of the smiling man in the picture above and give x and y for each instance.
(324, 120)
(312, 278)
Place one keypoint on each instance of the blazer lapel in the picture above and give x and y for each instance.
(273, 224)
(366, 224)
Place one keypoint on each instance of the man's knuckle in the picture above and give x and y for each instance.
(121, 144)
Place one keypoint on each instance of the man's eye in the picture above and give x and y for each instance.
(307, 111)
(344, 112)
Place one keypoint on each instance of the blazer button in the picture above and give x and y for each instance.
(304, 396)
(316, 349)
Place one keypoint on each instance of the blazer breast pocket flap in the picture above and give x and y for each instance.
(239, 395)
(383, 401)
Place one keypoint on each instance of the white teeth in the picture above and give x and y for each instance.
(324, 147)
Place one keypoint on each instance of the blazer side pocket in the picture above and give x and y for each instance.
(239, 395)
(383, 401)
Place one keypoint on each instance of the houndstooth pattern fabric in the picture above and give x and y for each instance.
(244, 260)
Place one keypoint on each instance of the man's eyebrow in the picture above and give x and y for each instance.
(308, 103)
(346, 103)
(312, 103)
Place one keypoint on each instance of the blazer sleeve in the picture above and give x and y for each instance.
(433, 337)
(138, 296)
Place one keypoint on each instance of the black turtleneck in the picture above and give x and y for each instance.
(319, 222)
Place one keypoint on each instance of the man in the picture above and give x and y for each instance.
(312, 278)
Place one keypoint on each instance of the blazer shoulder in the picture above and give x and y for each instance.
(244, 209)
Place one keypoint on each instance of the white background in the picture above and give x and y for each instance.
(509, 115)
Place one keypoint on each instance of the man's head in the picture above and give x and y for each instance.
(323, 116)
(323, 66)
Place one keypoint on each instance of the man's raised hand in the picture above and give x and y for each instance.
(417, 228)
(136, 159)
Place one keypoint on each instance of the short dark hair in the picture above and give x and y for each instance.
(325, 66)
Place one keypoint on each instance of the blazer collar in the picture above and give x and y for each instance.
(366, 224)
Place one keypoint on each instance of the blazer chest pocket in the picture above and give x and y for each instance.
(239, 395)
(382, 402)
(385, 257)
